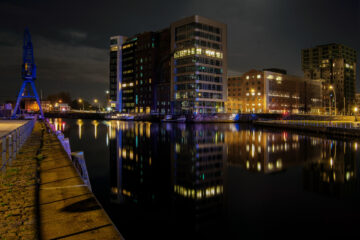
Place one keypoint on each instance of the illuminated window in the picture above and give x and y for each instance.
(258, 76)
(114, 48)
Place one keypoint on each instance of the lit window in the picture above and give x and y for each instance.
(247, 77)
(258, 76)
(114, 48)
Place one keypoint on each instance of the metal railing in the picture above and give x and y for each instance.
(12, 142)
(77, 158)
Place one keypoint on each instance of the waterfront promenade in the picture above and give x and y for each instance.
(336, 128)
(43, 197)
(7, 126)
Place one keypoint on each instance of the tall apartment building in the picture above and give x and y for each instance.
(115, 93)
(199, 65)
(273, 91)
(146, 79)
(336, 64)
(180, 69)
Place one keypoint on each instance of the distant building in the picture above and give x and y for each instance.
(5, 110)
(336, 64)
(46, 106)
(180, 69)
(31, 105)
(273, 92)
(115, 92)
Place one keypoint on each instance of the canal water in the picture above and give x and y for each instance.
(219, 181)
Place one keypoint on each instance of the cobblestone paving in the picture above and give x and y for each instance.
(17, 191)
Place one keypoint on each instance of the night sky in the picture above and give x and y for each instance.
(71, 38)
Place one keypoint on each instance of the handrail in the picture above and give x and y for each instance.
(77, 158)
(13, 141)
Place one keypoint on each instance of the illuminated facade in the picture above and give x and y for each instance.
(180, 69)
(199, 65)
(336, 64)
(273, 92)
(115, 92)
(145, 72)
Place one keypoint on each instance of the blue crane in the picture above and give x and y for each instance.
(28, 74)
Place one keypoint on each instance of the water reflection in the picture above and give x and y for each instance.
(189, 175)
(95, 123)
(79, 122)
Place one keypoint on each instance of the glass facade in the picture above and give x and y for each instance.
(199, 66)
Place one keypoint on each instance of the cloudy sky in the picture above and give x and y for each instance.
(71, 38)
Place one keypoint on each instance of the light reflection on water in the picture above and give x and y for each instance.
(211, 179)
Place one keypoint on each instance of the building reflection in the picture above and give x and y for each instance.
(198, 161)
(170, 165)
(336, 171)
(267, 152)
(59, 124)
(132, 158)
(329, 166)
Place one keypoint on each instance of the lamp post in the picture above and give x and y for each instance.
(107, 98)
(332, 88)
(81, 101)
(96, 101)
(355, 112)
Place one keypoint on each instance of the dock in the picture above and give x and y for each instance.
(44, 197)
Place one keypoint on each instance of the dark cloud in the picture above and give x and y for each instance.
(71, 37)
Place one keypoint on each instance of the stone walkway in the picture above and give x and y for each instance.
(17, 192)
(43, 197)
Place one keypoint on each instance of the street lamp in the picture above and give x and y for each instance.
(96, 101)
(107, 97)
(81, 101)
(333, 89)
(355, 112)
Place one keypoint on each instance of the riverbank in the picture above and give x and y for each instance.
(333, 128)
(43, 196)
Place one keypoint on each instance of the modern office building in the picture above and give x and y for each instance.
(199, 65)
(115, 91)
(146, 73)
(180, 69)
(273, 91)
(336, 64)
(139, 73)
